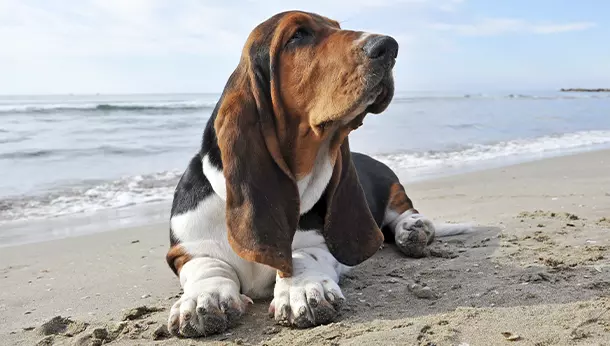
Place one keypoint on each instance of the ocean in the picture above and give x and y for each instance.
(71, 165)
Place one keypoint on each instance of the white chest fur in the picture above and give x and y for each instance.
(310, 186)
(313, 184)
(215, 177)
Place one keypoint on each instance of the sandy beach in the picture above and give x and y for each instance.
(536, 273)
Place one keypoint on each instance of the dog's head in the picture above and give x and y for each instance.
(301, 86)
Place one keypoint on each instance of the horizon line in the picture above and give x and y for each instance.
(465, 90)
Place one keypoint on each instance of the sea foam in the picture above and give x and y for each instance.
(158, 187)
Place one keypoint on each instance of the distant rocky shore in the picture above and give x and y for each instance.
(599, 90)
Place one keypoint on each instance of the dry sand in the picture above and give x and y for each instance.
(538, 273)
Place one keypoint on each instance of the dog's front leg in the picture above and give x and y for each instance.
(311, 296)
(211, 301)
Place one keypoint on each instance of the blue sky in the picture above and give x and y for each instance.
(144, 46)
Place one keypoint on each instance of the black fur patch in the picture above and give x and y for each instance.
(376, 179)
(192, 188)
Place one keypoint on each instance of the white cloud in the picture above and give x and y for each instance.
(501, 26)
(91, 45)
(95, 44)
(144, 27)
(450, 6)
(110, 28)
(558, 28)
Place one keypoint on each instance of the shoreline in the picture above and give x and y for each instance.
(542, 254)
(39, 230)
(83, 225)
(586, 90)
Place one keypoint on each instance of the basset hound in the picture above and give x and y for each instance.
(275, 204)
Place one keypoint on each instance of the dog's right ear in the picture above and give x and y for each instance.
(262, 203)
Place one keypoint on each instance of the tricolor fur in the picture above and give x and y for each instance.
(275, 204)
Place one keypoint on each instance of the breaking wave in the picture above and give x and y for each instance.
(157, 187)
(106, 107)
(486, 152)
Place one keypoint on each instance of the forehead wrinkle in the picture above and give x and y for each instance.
(294, 20)
(314, 20)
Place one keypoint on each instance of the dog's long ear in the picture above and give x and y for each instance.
(351, 233)
(262, 204)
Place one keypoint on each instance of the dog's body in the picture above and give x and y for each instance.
(275, 204)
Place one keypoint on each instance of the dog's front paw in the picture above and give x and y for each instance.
(413, 235)
(207, 309)
(306, 300)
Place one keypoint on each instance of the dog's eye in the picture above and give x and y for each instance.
(299, 35)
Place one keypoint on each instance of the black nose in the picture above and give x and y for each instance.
(381, 47)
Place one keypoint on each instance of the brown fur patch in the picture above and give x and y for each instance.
(399, 201)
(313, 114)
(177, 257)
(283, 275)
